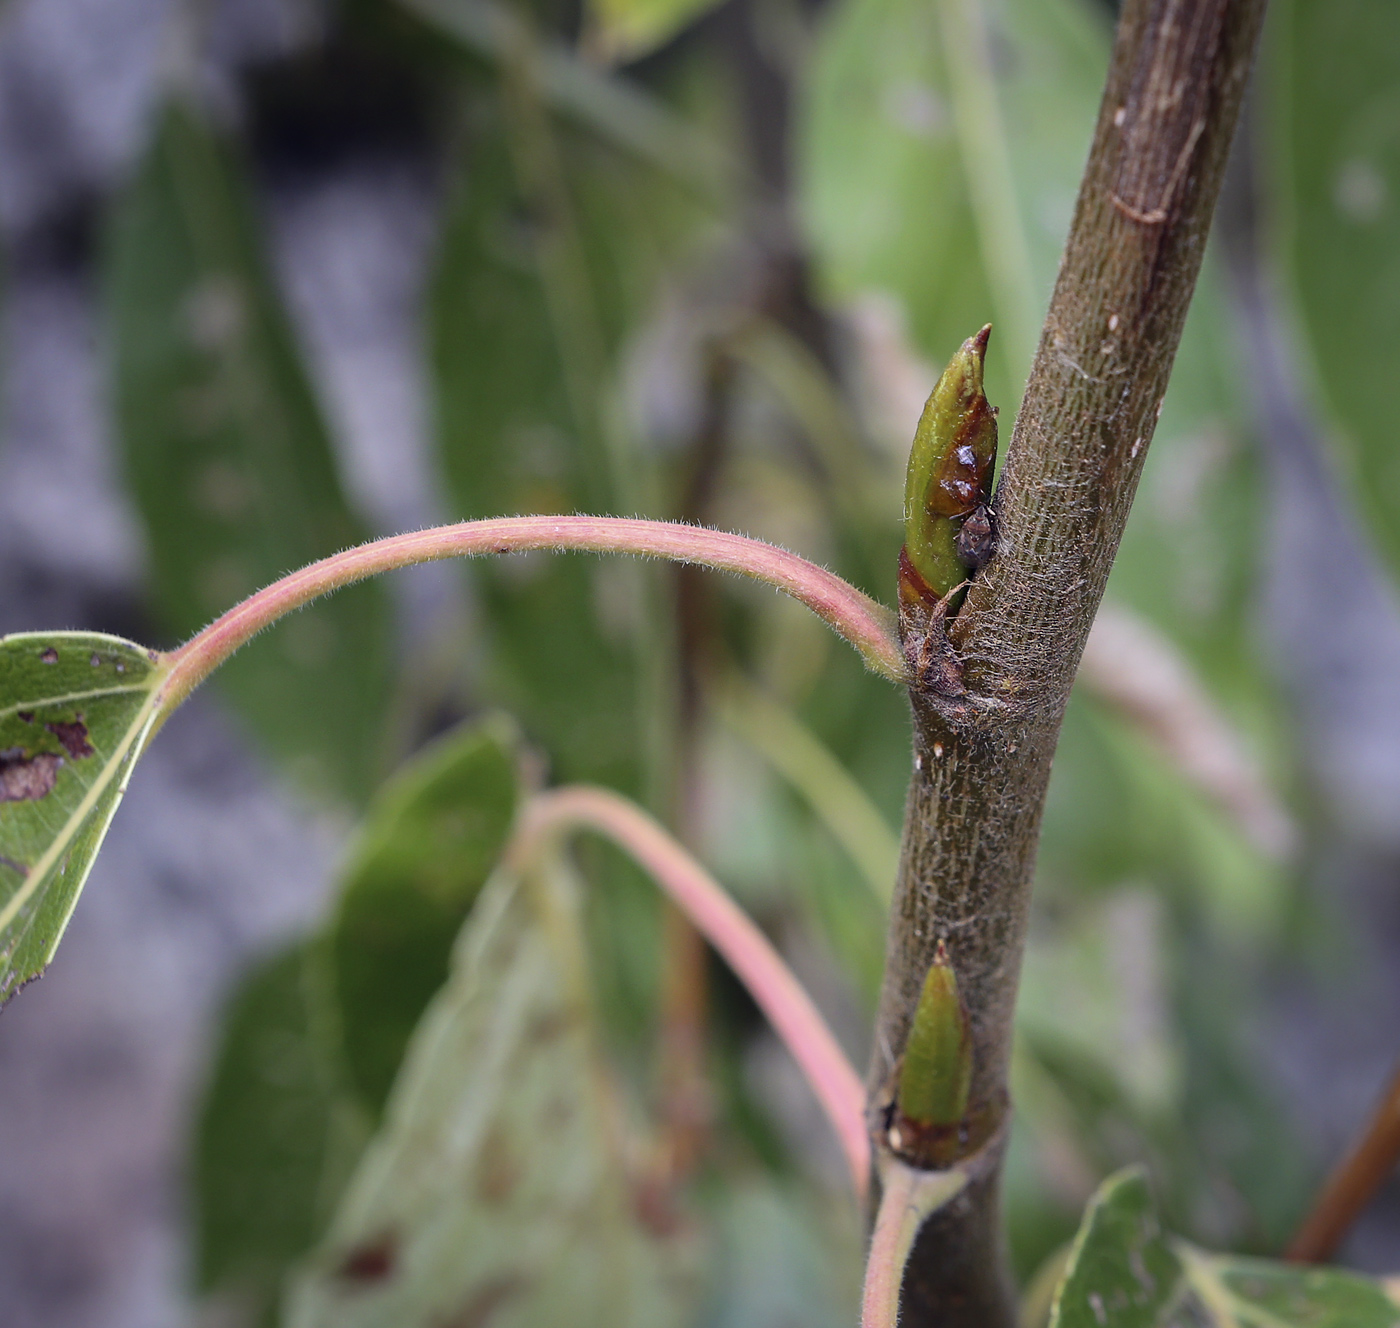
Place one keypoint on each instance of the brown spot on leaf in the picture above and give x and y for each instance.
(26, 715)
(95, 660)
(498, 1173)
(27, 778)
(558, 1114)
(50, 656)
(370, 1262)
(655, 1205)
(479, 1310)
(14, 866)
(551, 1025)
(74, 738)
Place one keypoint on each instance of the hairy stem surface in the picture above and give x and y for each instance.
(982, 759)
(867, 625)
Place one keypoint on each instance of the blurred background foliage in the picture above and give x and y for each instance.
(700, 261)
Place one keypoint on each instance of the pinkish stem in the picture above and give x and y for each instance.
(863, 622)
(724, 924)
(907, 1198)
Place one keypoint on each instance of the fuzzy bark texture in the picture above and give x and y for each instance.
(982, 758)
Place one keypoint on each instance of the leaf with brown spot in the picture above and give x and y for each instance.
(25, 778)
(73, 736)
(76, 709)
(372, 1262)
(507, 1210)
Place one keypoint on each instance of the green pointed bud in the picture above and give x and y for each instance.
(937, 1072)
(949, 482)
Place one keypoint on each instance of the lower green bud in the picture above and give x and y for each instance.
(936, 1076)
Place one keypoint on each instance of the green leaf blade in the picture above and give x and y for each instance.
(314, 1036)
(497, 1183)
(1242, 1293)
(229, 457)
(430, 841)
(1122, 1270)
(76, 709)
(1340, 187)
(277, 1134)
(513, 440)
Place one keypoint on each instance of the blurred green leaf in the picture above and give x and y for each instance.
(498, 1185)
(1189, 558)
(1125, 1272)
(882, 194)
(228, 455)
(314, 1037)
(1124, 831)
(1100, 981)
(1240, 1293)
(430, 840)
(1118, 809)
(794, 752)
(530, 301)
(785, 1254)
(276, 1137)
(1340, 185)
(618, 110)
(76, 709)
(629, 29)
(1049, 61)
(884, 189)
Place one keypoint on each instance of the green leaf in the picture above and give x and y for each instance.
(1122, 1271)
(629, 29)
(884, 189)
(76, 709)
(785, 1253)
(514, 439)
(1125, 1272)
(315, 1035)
(498, 1185)
(277, 1134)
(1340, 178)
(615, 109)
(1256, 1293)
(229, 458)
(429, 842)
(882, 195)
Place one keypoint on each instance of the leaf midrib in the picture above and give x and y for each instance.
(67, 698)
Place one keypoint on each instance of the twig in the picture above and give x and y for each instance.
(1353, 1182)
(982, 760)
